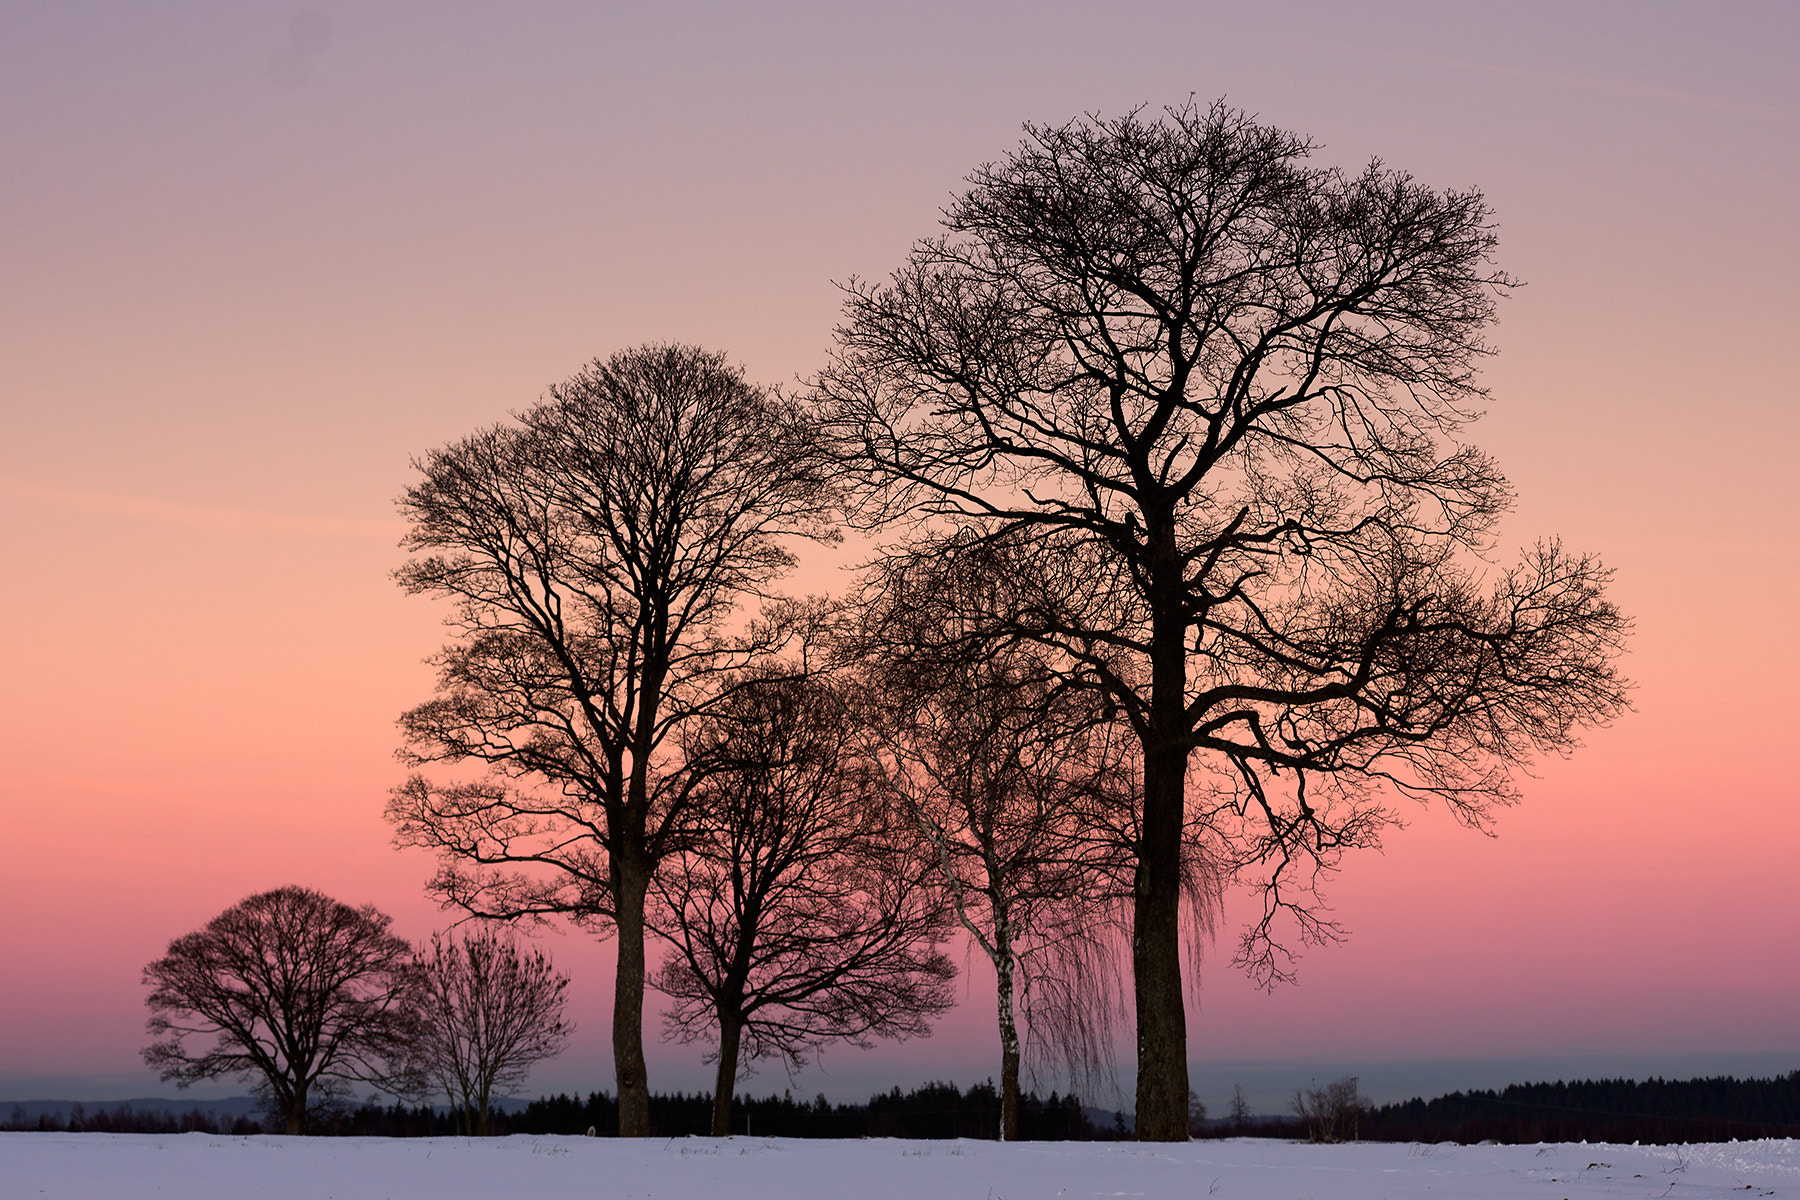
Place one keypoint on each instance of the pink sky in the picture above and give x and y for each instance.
(244, 276)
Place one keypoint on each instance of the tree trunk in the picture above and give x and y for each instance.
(730, 1034)
(1009, 1045)
(630, 883)
(1162, 1088)
(296, 1110)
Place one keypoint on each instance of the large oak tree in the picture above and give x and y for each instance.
(1209, 399)
(599, 555)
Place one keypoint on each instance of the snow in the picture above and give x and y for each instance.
(207, 1167)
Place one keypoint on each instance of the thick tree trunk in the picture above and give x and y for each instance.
(630, 883)
(296, 1111)
(730, 1034)
(1009, 1047)
(1162, 1088)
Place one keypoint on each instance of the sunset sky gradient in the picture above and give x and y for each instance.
(256, 256)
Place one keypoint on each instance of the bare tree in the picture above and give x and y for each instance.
(802, 911)
(996, 764)
(1332, 1113)
(597, 554)
(290, 988)
(1210, 398)
(1196, 1117)
(1240, 1108)
(489, 1012)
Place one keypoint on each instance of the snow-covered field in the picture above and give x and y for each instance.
(92, 1166)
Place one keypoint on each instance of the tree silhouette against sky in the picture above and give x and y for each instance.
(1208, 399)
(599, 555)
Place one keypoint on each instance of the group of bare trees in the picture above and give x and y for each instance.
(596, 554)
(306, 996)
(1185, 571)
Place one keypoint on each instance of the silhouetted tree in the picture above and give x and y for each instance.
(1240, 1108)
(292, 989)
(996, 764)
(597, 554)
(1208, 399)
(1333, 1113)
(489, 1012)
(1196, 1115)
(802, 911)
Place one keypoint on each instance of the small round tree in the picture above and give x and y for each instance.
(290, 988)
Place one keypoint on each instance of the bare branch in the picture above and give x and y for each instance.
(294, 990)
(1206, 401)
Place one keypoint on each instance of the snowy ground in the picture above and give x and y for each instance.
(90, 1166)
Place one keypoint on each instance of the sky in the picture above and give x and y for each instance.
(256, 257)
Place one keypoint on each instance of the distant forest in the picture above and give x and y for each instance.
(934, 1111)
(1606, 1110)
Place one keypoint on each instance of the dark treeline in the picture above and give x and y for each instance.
(369, 1120)
(1605, 1110)
(1259, 1126)
(1654, 1110)
(936, 1110)
(123, 1118)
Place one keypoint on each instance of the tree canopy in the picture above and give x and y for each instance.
(802, 910)
(490, 1011)
(599, 555)
(290, 988)
(1208, 402)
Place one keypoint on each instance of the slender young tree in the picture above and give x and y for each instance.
(598, 554)
(999, 767)
(489, 1013)
(801, 912)
(1210, 399)
(1240, 1108)
(291, 988)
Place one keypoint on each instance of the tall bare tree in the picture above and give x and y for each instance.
(802, 911)
(1211, 399)
(598, 554)
(291, 988)
(489, 1012)
(1002, 769)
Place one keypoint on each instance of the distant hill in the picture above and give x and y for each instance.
(230, 1108)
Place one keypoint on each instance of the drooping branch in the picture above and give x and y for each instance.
(1205, 401)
